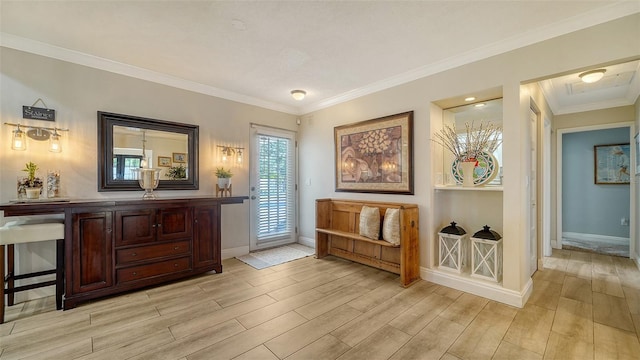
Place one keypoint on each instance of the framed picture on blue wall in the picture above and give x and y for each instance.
(612, 164)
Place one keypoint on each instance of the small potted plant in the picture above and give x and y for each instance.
(32, 185)
(177, 172)
(224, 177)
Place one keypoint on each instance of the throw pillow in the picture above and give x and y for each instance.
(391, 226)
(370, 222)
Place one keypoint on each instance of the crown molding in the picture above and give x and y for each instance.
(592, 18)
(43, 49)
(586, 20)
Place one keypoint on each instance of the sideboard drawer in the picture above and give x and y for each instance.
(140, 253)
(135, 273)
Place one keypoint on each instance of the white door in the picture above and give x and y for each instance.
(273, 187)
(533, 183)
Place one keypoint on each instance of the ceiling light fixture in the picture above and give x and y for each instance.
(480, 105)
(592, 76)
(298, 94)
(470, 98)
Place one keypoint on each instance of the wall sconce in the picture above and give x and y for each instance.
(230, 154)
(38, 133)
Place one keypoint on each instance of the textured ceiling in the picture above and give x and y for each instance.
(257, 52)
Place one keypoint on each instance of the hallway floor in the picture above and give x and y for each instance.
(599, 247)
(583, 306)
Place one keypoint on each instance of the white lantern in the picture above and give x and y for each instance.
(454, 248)
(486, 255)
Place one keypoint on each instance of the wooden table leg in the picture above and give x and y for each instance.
(2, 287)
(11, 272)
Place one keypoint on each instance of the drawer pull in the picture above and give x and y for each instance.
(134, 254)
(176, 248)
(135, 273)
(175, 265)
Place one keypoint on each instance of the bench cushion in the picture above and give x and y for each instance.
(370, 222)
(391, 226)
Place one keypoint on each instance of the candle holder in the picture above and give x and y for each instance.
(148, 178)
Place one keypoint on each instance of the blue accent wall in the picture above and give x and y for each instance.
(588, 208)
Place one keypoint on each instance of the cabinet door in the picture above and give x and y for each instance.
(174, 223)
(92, 260)
(206, 239)
(135, 226)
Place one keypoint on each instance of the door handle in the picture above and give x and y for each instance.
(253, 197)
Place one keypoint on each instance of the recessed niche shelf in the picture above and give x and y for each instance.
(474, 188)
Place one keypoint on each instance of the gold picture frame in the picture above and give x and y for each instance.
(164, 161)
(375, 156)
(179, 157)
(612, 164)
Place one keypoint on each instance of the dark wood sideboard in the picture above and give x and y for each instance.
(113, 246)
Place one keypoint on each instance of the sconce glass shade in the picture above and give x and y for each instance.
(148, 178)
(18, 140)
(239, 157)
(54, 143)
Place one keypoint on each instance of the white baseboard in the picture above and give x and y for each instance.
(594, 237)
(310, 242)
(480, 288)
(636, 258)
(233, 252)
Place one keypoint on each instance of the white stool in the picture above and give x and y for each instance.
(27, 231)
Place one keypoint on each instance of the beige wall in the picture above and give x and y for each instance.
(572, 52)
(78, 92)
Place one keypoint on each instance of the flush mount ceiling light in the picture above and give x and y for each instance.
(470, 98)
(480, 105)
(592, 75)
(298, 94)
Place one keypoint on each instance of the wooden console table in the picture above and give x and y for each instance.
(112, 246)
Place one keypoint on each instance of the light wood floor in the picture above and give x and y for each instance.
(583, 306)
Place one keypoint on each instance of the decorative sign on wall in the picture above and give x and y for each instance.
(35, 113)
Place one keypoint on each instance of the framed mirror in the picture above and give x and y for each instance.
(127, 142)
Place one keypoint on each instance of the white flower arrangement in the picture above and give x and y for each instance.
(485, 138)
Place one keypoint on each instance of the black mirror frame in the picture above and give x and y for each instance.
(106, 122)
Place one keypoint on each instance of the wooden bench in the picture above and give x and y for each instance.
(337, 228)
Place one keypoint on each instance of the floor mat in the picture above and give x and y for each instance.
(275, 256)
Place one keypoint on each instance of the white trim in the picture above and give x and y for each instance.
(595, 237)
(595, 17)
(546, 189)
(234, 252)
(310, 242)
(583, 21)
(75, 57)
(555, 245)
(481, 288)
(559, 135)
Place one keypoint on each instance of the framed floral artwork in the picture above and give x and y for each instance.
(612, 164)
(375, 156)
(164, 161)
